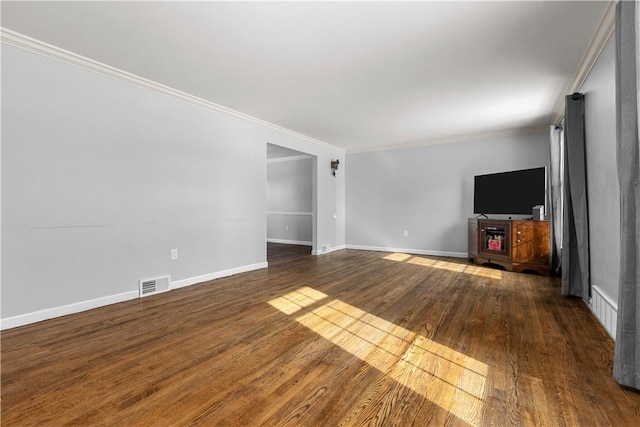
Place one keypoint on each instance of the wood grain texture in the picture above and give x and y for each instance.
(346, 339)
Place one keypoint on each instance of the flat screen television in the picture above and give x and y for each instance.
(513, 192)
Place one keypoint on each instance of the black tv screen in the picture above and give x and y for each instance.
(514, 192)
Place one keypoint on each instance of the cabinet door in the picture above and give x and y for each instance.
(494, 238)
(530, 242)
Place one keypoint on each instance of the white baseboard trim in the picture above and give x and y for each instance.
(329, 250)
(409, 251)
(217, 275)
(290, 242)
(50, 313)
(290, 213)
(605, 310)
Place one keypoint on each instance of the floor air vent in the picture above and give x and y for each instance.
(153, 286)
(148, 287)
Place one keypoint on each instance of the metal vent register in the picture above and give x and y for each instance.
(153, 286)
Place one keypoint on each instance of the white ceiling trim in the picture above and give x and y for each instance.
(289, 158)
(458, 138)
(600, 39)
(22, 41)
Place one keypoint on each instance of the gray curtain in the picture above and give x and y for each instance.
(555, 195)
(626, 367)
(575, 235)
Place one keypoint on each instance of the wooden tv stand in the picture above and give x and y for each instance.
(517, 245)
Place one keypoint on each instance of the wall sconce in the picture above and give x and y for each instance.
(334, 166)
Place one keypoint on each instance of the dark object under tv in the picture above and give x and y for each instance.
(509, 193)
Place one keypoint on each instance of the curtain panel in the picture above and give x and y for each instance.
(575, 236)
(555, 196)
(626, 367)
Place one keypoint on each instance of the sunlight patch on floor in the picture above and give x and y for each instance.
(297, 300)
(443, 265)
(397, 257)
(452, 380)
(475, 270)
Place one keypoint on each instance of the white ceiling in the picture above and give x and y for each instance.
(359, 75)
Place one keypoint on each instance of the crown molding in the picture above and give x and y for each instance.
(24, 42)
(457, 138)
(600, 38)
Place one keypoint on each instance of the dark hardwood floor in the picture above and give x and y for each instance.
(350, 338)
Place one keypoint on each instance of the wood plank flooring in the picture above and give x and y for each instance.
(351, 338)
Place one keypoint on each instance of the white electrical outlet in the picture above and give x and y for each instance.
(406, 233)
(174, 254)
(286, 228)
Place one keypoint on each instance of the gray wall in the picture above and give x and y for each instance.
(427, 191)
(289, 200)
(101, 179)
(602, 173)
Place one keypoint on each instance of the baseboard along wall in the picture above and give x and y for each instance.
(605, 310)
(77, 307)
(290, 242)
(409, 251)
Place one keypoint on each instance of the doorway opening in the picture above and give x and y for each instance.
(291, 198)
